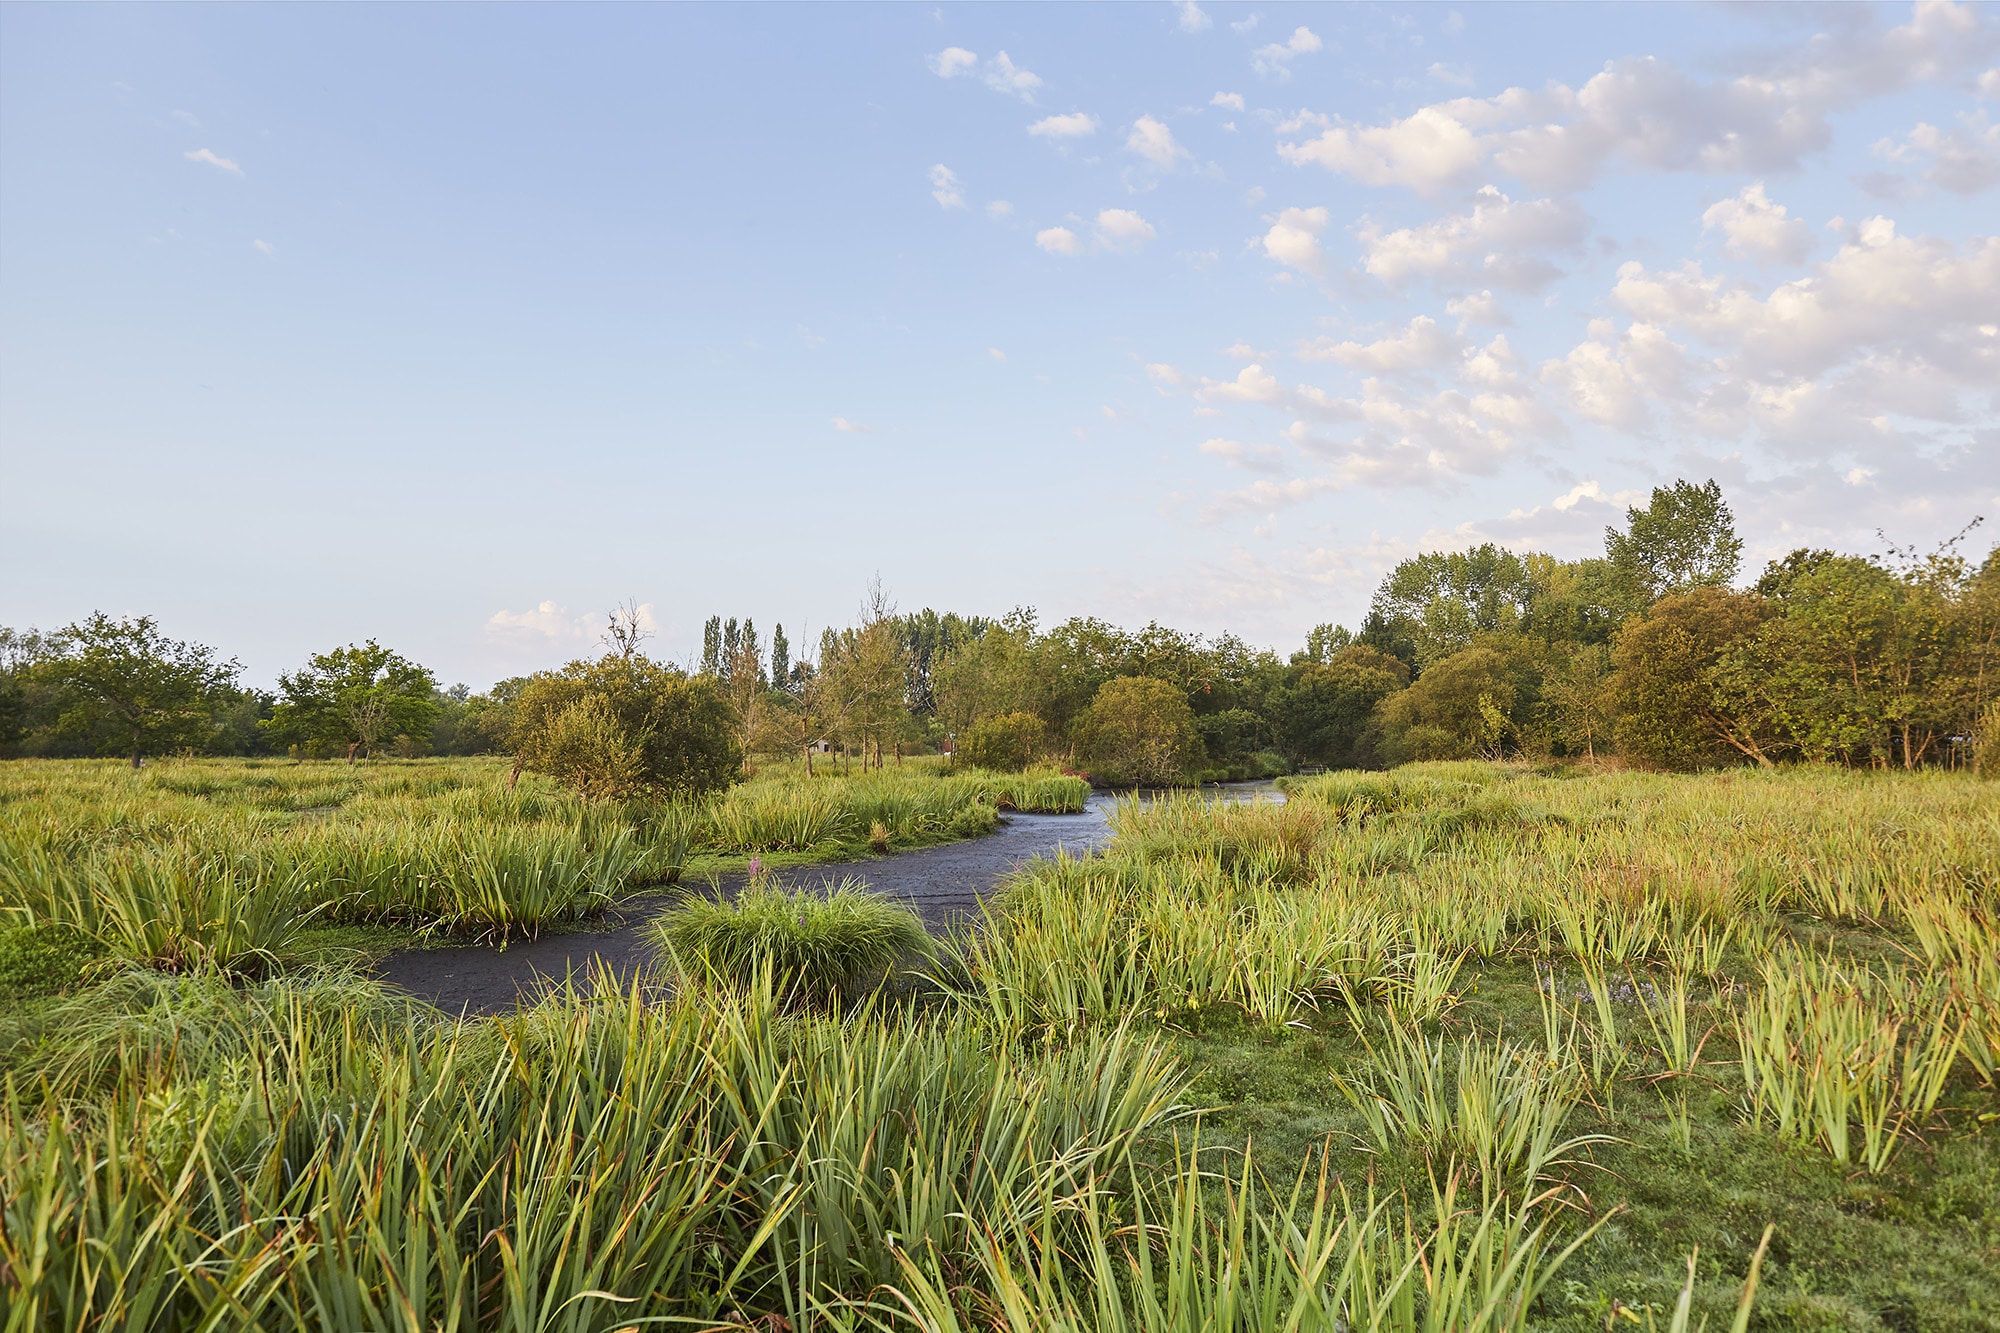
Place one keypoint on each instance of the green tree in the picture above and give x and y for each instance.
(1867, 664)
(1672, 710)
(1436, 604)
(1006, 744)
(1322, 642)
(1462, 707)
(354, 698)
(133, 691)
(1138, 729)
(867, 677)
(988, 674)
(781, 659)
(1577, 706)
(626, 728)
(1324, 715)
(1685, 538)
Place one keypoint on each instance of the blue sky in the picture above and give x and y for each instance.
(454, 325)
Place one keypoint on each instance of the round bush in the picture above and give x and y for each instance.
(1005, 744)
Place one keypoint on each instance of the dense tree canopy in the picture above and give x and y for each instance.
(125, 688)
(353, 699)
(1140, 730)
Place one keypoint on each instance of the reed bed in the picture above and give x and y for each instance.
(219, 863)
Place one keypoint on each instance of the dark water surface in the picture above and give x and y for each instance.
(942, 884)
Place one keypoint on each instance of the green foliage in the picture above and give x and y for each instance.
(1861, 664)
(1006, 744)
(44, 959)
(1324, 715)
(354, 699)
(1460, 708)
(276, 1157)
(1435, 604)
(625, 728)
(1138, 730)
(130, 690)
(843, 942)
(1685, 538)
(1671, 712)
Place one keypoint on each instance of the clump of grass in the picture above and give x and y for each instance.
(843, 942)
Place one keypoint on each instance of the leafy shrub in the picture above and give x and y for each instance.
(1460, 708)
(625, 728)
(1138, 730)
(1005, 744)
(846, 941)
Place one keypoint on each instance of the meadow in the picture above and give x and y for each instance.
(1454, 1046)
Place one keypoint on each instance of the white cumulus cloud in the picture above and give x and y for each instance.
(1422, 345)
(953, 61)
(1059, 241)
(1122, 229)
(1965, 160)
(546, 620)
(1497, 242)
(1649, 114)
(1004, 76)
(1293, 239)
(1074, 125)
(1192, 19)
(1228, 101)
(1753, 227)
(1153, 141)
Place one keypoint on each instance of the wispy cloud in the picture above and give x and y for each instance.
(204, 155)
(1001, 74)
(1275, 61)
(945, 187)
(1072, 126)
(846, 427)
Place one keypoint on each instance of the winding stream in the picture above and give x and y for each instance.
(942, 884)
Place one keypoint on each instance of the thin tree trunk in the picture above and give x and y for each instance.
(135, 746)
(809, 759)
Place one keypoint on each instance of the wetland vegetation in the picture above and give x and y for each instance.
(1635, 960)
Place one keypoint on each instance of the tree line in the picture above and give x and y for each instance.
(1649, 653)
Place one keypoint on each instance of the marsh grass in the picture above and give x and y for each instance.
(841, 943)
(296, 1157)
(1512, 1043)
(220, 863)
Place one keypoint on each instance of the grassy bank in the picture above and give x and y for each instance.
(1452, 1047)
(241, 865)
